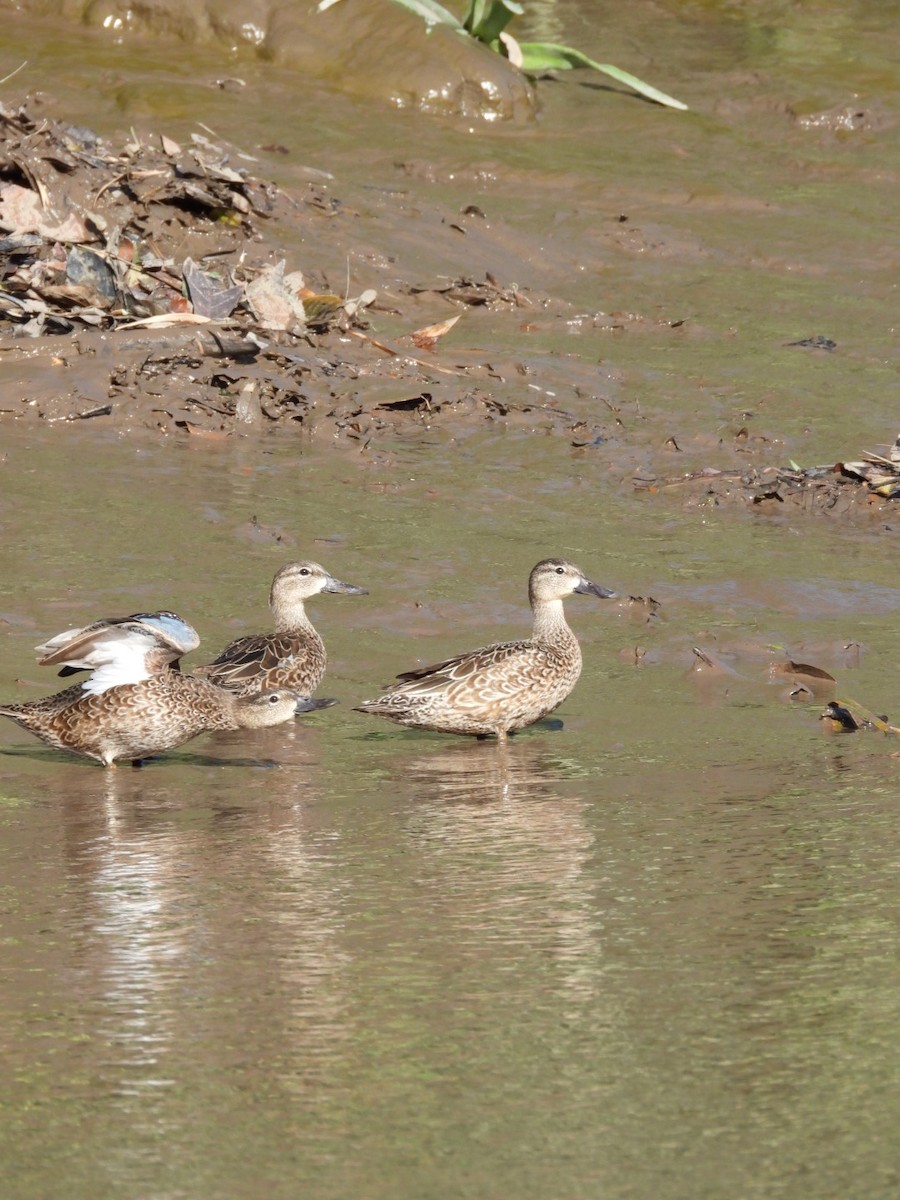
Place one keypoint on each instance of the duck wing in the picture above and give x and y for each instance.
(117, 653)
(276, 656)
(499, 669)
(165, 635)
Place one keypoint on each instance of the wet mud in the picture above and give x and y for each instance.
(146, 286)
(369, 49)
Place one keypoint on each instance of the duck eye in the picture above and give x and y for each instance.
(560, 570)
(304, 570)
(275, 698)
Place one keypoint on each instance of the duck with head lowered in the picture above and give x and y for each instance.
(134, 704)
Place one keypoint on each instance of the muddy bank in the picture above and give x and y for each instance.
(146, 284)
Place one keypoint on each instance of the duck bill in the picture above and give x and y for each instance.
(345, 589)
(586, 588)
(307, 704)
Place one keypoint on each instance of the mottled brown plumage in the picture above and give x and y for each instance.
(505, 686)
(293, 656)
(134, 704)
(135, 720)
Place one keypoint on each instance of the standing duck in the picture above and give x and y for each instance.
(134, 705)
(506, 686)
(294, 655)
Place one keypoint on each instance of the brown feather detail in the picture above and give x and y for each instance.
(293, 660)
(294, 655)
(135, 720)
(463, 666)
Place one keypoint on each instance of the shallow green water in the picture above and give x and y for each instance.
(651, 952)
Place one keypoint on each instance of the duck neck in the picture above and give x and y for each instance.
(550, 622)
(290, 615)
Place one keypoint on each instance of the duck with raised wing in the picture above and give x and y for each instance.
(293, 656)
(134, 705)
(83, 649)
(505, 686)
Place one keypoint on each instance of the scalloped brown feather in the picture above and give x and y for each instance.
(502, 687)
(139, 719)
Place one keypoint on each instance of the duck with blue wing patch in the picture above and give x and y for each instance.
(134, 705)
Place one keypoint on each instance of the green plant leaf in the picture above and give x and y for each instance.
(546, 56)
(432, 13)
(486, 19)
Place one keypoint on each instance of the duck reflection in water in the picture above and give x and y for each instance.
(526, 769)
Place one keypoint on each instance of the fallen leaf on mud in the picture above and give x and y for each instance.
(356, 303)
(813, 679)
(274, 298)
(168, 146)
(21, 211)
(86, 268)
(160, 320)
(426, 337)
(209, 296)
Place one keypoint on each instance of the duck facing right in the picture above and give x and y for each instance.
(503, 687)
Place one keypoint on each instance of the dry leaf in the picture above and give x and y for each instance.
(161, 320)
(426, 337)
(209, 296)
(21, 211)
(274, 300)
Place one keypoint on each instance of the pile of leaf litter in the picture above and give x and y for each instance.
(842, 487)
(142, 283)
